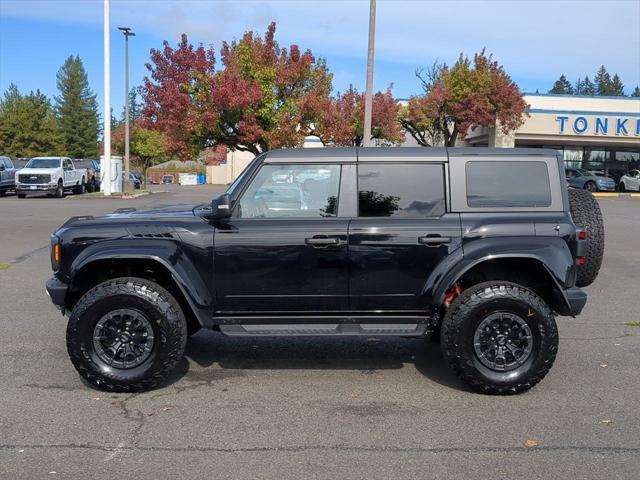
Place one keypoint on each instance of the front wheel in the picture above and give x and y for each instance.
(126, 335)
(499, 337)
(591, 186)
(59, 190)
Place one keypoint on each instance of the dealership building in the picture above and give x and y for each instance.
(601, 134)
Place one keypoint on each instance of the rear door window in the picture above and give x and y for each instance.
(400, 190)
(507, 184)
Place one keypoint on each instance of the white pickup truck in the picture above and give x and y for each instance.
(50, 175)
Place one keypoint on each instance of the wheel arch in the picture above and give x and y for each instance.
(179, 278)
(538, 266)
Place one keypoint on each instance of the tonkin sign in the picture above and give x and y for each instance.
(598, 125)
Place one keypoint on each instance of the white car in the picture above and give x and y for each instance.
(50, 175)
(630, 181)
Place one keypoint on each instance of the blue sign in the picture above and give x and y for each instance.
(580, 125)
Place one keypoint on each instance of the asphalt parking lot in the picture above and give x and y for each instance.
(313, 408)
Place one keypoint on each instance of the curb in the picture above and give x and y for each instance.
(615, 195)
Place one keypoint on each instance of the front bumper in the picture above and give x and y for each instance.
(576, 300)
(25, 188)
(57, 291)
(606, 188)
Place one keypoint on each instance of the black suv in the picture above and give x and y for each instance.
(474, 246)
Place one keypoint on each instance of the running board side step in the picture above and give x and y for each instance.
(316, 329)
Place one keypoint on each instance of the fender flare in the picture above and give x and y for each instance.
(550, 252)
(169, 255)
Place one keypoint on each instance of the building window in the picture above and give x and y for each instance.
(594, 160)
(573, 157)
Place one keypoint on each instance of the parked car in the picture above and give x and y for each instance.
(580, 178)
(92, 178)
(50, 175)
(7, 176)
(630, 181)
(137, 184)
(477, 246)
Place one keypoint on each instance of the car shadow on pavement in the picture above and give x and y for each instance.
(220, 357)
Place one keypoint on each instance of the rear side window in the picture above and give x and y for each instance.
(507, 184)
(400, 190)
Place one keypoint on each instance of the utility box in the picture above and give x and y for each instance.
(116, 174)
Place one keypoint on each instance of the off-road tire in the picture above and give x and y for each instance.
(59, 190)
(156, 304)
(586, 214)
(467, 312)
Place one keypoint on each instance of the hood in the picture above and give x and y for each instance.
(157, 211)
(38, 171)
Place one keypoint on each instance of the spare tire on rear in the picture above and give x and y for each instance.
(586, 214)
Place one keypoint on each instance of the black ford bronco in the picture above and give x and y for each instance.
(476, 247)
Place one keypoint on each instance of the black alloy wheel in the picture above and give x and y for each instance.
(126, 335)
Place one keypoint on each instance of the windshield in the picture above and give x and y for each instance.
(43, 163)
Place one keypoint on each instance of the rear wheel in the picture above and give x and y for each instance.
(622, 187)
(126, 334)
(499, 337)
(79, 190)
(586, 213)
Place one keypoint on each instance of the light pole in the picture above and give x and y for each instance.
(368, 93)
(127, 33)
(105, 168)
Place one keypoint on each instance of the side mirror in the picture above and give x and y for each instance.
(220, 207)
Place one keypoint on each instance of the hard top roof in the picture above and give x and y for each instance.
(355, 154)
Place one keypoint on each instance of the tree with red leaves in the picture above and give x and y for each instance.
(264, 97)
(341, 120)
(171, 94)
(463, 97)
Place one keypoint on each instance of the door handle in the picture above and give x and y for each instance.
(433, 240)
(322, 242)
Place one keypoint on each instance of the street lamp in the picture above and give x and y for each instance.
(105, 164)
(127, 33)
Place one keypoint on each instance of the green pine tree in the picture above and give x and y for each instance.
(617, 88)
(77, 110)
(562, 86)
(636, 92)
(603, 82)
(134, 106)
(28, 125)
(588, 87)
(578, 87)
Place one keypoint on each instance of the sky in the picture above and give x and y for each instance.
(536, 41)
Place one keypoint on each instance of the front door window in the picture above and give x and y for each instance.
(292, 191)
